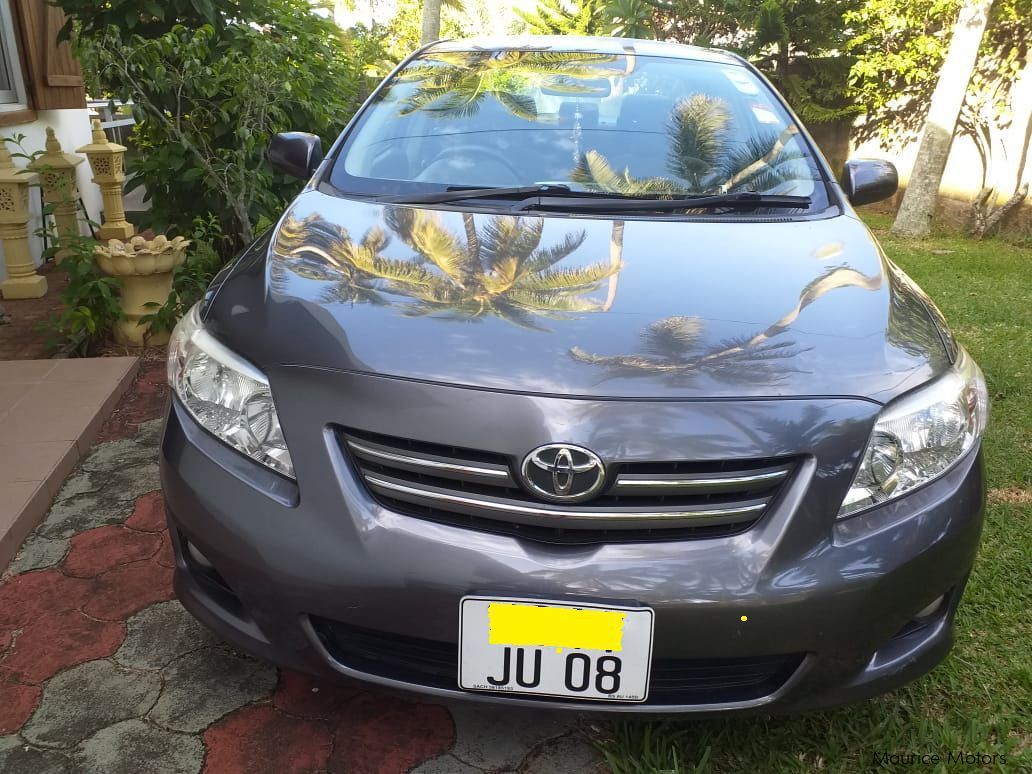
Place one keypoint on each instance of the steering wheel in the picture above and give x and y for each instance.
(476, 153)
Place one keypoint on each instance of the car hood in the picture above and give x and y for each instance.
(580, 306)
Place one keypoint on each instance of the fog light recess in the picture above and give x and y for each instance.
(930, 610)
(197, 556)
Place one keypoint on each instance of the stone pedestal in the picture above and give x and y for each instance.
(22, 280)
(57, 176)
(145, 268)
(107, 160)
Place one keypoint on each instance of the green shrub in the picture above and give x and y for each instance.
(211, 84)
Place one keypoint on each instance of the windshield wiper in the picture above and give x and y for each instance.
(618, 203)
(456, 194)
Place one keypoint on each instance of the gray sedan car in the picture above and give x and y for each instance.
(573, 379)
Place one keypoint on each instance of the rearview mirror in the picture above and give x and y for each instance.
(296, 153)
(869, 180)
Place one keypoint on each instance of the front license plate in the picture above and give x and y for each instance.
(574, 651)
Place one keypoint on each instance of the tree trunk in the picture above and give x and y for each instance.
(914, 218)
(1007, 168)
(616, 262)
(431, 21)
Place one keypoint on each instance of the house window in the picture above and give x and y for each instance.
(12, 85)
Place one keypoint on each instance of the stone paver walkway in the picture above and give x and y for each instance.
(101, 670)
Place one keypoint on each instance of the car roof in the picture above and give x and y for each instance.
(587, 44)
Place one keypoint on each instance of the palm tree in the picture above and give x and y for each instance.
(500, 269)
(455, 83)
(430, 29)
(914, 218)
(673, 346)
(704, 157)
(616, 260)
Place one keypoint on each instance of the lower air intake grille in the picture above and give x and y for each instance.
(435, 664)
(639, 501)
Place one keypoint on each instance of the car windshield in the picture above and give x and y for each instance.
(619, 124)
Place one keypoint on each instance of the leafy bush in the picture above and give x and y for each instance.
(211, 84)
(91, 300)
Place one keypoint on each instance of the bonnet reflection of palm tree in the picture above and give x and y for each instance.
(500, 269)
(673, 345)
(455, 83)
(703, 157)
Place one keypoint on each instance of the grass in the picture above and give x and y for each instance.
(980, 699)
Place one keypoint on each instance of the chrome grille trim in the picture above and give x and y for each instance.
(674, 483)
(432, 464)
(642, 500)
(560, 517)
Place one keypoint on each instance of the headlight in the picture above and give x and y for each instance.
(227, 395)
(918, 437)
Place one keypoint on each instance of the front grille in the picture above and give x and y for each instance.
(640, 501)
(435, 664)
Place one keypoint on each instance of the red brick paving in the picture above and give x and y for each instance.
(149, 514)
(308, 697)
(51, 620)
(165, 556)
(17, 703)
(260, 739)
(35, 594)
(381, 734)
(98, 550)
(128, 589)
(340, 728)
(144, 402)
(57, 641)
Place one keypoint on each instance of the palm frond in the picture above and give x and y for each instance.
(631, 364)
(698, 137)
(457, 105)
(550, 301)
(376, 240)
(580, 279)
(672, 338)
(520, 105)
(508, 236)
(547, 257)
(776, 148)
(502, 275)
(423, 232)
(594, 172)
(516, 316)
(424, 99)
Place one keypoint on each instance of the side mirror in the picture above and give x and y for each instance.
(296, 153)
(869, 180)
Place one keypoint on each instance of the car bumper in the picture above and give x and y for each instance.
(832, 621)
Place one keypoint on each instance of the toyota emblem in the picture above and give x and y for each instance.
(563, 473)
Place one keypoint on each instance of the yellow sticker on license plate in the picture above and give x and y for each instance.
(555, 627)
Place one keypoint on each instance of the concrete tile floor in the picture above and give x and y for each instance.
(51, 412)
